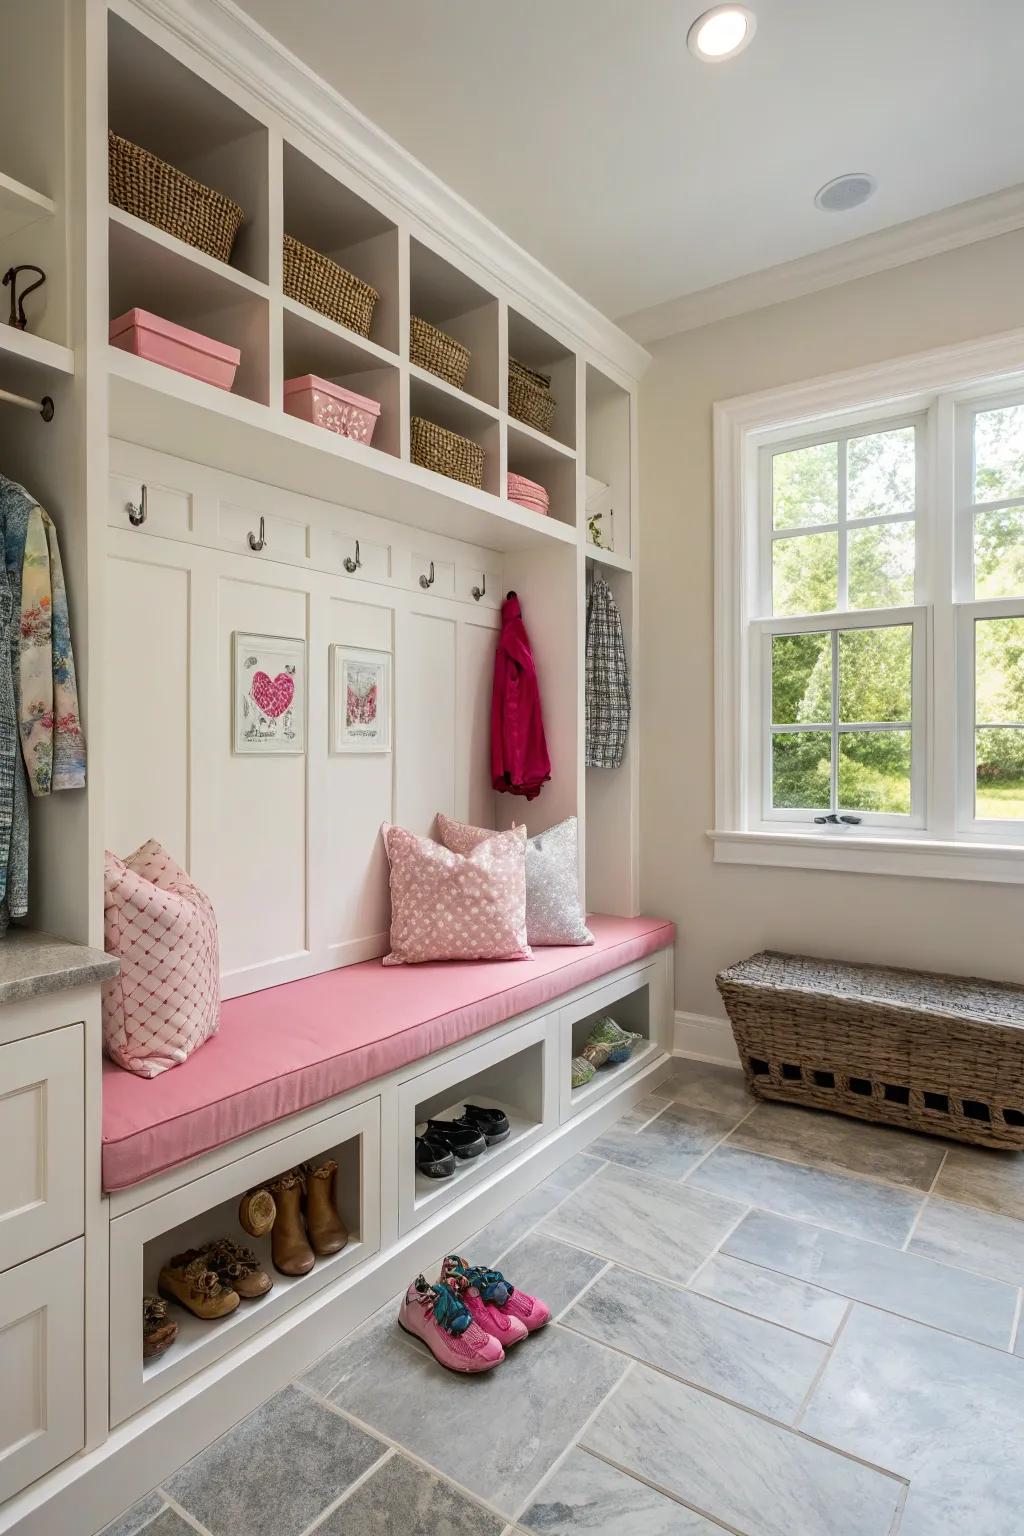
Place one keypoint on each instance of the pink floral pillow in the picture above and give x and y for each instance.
(165, 1002)
(453, 906)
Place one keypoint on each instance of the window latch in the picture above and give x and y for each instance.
(832, 820)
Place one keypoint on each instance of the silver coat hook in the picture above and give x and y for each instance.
(137, 514)
(481, 590)
(352, 565)
(428, 581)
(257, 543)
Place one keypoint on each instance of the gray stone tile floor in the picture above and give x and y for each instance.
(768, 1322)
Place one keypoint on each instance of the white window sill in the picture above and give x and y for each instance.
(863, 854)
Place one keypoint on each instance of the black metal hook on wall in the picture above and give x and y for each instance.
(18, 318)
(352, 565)
(428, 581)
(480, 591)
(257, 543)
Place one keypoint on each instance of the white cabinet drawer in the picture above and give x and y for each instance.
(41, 1144)
(41, 1365)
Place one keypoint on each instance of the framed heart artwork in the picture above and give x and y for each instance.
(269, 714)
(360, 699)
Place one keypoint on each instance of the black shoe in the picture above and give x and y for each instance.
(433, 1160)
(463, 1140)
(492, 1124)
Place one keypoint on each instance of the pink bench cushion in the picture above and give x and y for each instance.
(281, 1050)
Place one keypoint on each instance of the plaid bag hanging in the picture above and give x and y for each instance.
(607, 680)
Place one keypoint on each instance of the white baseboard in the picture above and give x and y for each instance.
(704, 1038)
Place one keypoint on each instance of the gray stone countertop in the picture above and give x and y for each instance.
(33, 963)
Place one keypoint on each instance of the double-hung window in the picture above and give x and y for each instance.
(870, 622)
(842, 645)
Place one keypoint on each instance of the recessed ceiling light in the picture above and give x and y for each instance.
(845, 192)
(721, 33)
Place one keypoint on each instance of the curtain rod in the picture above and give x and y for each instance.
(43, 406)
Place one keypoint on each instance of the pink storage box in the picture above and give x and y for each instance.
(161, 341)
(328, 405)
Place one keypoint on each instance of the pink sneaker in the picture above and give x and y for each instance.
(440, 1318)
(501, 1300)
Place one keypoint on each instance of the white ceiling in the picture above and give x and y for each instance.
(587, 131)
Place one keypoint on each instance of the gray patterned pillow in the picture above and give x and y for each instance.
(553, 911)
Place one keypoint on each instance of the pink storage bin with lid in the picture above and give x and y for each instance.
(174, 346)
(329, 405)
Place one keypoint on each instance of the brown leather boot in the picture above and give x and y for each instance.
(326, 1232)
(289, 1246)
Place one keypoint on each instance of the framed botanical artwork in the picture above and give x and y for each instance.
(360, 699)
(269, 714)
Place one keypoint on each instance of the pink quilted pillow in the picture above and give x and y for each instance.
(450, 906)
(165, 1002)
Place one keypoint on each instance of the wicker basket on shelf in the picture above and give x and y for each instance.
(529, 399)
(942, 1054)
(438, 352)
(447, 453)
(321, 284)
(146, 186)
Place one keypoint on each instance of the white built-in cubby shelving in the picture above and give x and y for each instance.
(154, 604)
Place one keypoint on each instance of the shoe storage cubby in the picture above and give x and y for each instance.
(630, 1002)
(514, 1073)
(144, 1239)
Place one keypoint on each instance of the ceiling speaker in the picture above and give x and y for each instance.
(845, 192)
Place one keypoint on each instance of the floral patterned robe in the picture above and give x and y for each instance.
(38, 690)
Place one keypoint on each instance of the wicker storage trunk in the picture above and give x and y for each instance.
(943, 1054)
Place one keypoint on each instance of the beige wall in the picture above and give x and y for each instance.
(726, 912)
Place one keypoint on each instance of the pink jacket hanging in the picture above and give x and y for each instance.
(519, 753)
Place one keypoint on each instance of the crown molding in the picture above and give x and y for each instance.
(964, 224)
(228, 39)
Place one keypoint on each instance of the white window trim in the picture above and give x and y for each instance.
(741, 426)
